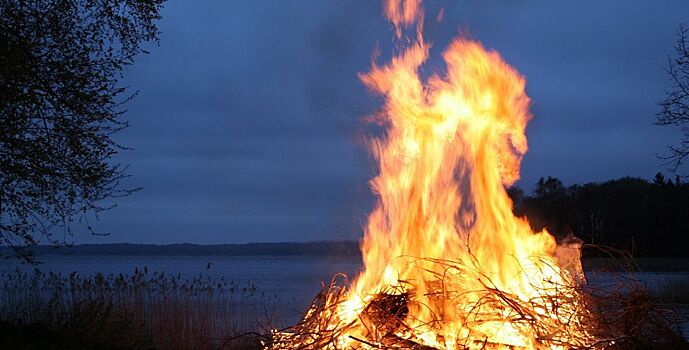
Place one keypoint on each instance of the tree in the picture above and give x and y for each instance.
(674, 109)
(644, 217)
(549, 207)
(516, 194)
(659, 179)
(60, 105)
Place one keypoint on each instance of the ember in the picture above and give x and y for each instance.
(447, 264)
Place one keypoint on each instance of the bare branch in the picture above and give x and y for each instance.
(674, 108)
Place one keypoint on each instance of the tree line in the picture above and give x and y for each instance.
(645, 218)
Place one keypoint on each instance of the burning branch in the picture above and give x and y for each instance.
(447, 264)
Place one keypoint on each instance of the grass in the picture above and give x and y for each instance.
(138, 311)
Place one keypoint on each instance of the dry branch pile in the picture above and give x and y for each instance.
(564, 317)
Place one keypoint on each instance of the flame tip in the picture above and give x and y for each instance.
(442, 238)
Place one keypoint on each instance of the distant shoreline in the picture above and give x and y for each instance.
(316, 249)
(331, 248)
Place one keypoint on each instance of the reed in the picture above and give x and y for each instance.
(144, 310)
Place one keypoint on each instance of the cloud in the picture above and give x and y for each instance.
(246, 123)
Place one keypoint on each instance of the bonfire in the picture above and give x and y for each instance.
(447, 265)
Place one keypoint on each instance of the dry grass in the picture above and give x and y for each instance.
(619, 316)
(632, 319)
(140, 311)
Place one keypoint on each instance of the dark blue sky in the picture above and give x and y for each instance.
(248, 116)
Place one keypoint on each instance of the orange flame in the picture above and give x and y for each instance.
(403, 13)
(452, 143)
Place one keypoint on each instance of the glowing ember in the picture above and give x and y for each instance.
(447, 264)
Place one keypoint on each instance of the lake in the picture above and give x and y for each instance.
(293, 280)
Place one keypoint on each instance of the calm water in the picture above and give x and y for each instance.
(293, 280)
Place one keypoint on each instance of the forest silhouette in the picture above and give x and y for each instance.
(644, 218)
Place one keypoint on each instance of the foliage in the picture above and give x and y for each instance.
(674, 109)
(646, 218)
(60, 105)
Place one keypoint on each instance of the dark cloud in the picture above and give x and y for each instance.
(246, 124)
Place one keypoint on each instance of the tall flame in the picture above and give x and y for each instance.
(443, 231)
